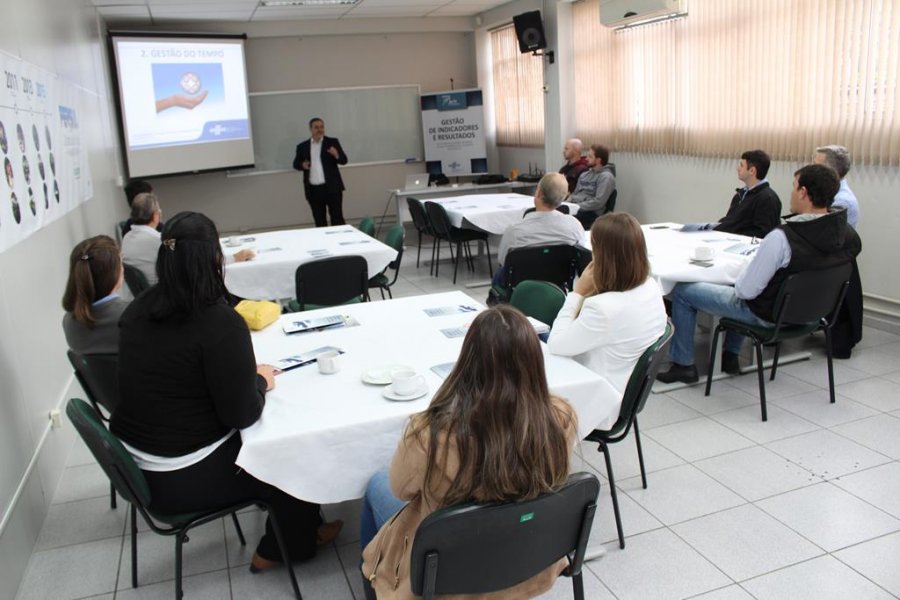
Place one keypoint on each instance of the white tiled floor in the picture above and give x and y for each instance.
(806, 505)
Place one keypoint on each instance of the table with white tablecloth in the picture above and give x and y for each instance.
(670, 251)
(321, 437)
(492, 213)
(270, 276)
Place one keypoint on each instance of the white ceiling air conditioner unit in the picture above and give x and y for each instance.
(612, 12)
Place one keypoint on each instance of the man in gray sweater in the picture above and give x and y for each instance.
(595, 186)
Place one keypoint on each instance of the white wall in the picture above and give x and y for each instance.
(35, 376)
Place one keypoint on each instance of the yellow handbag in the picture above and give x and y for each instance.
(258, 313)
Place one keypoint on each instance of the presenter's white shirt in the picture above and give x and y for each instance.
(316, 172)
(607, 333)
(139, 249)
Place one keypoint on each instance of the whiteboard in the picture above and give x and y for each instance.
(373, 124)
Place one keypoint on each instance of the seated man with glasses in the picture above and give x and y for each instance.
(813, 237)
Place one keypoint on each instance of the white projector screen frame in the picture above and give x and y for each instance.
(182, 102)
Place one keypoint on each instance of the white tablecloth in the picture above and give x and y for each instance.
(670, 251)
(489, 212)
(270, 276)
(321, 437)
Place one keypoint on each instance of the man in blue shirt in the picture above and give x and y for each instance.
(813, 237)
(838, 158)
(848, 330)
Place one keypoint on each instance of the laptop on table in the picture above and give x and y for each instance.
(418, 181)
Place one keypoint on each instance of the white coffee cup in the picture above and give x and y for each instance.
(329, 362)
(232, 241)
(406, 382)
(704, 253)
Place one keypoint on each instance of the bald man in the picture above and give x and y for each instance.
(575, 163)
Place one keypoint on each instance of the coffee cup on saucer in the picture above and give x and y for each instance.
(406, 382)
(704, 253)
(329, 362)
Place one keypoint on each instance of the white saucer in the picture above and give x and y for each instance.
(381, 375)
(390, 394)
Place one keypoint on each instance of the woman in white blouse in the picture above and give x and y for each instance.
(615, 312)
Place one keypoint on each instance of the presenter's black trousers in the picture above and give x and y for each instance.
(319, 199)
(216, 482)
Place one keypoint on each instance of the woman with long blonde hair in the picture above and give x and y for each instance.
(492, 433)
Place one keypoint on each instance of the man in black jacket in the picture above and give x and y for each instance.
(813, 237)
(318, 158)
(755, 209)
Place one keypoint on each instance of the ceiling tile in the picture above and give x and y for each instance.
(116, 2)
(120, 12)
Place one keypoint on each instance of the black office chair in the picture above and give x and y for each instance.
(807, 301)
(394, 238)
(129, 481)
(584, 258)
(423, 227)
(99, 378)
(636, 392)
(482, 548)
(135, 280)
(443, 230)
(611, 203)
(332, 281)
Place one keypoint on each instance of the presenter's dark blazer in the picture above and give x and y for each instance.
(333, 181)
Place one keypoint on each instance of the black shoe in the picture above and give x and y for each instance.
(681, 373)
(730, 363)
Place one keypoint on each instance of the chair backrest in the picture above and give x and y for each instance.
(99, 377)
(395, 238)
(810, 296)
(367, 226)
(538, 299)
(555, 264)
(122, 227)
(438, 219)
(332, 281)
(417, 212)
(584, 258)
(112, 456)
(611, 203)
(481, 548)
(641, 381)
(135, 280)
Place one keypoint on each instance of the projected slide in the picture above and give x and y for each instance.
(179, 92)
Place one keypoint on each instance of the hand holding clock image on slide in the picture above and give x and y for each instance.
(186, 85)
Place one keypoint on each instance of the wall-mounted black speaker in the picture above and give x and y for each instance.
(530, 31)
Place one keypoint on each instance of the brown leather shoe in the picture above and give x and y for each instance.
(328, 531)
(258, 564)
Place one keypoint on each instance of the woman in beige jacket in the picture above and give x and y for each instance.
(492, 433)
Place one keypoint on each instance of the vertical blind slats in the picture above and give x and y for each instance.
(735, 74)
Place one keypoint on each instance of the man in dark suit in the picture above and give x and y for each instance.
(318, 158)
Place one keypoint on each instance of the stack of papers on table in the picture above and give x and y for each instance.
(301, 325)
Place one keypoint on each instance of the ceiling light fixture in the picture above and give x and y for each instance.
(272, 3)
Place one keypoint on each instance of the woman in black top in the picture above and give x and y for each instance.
(188, 379)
